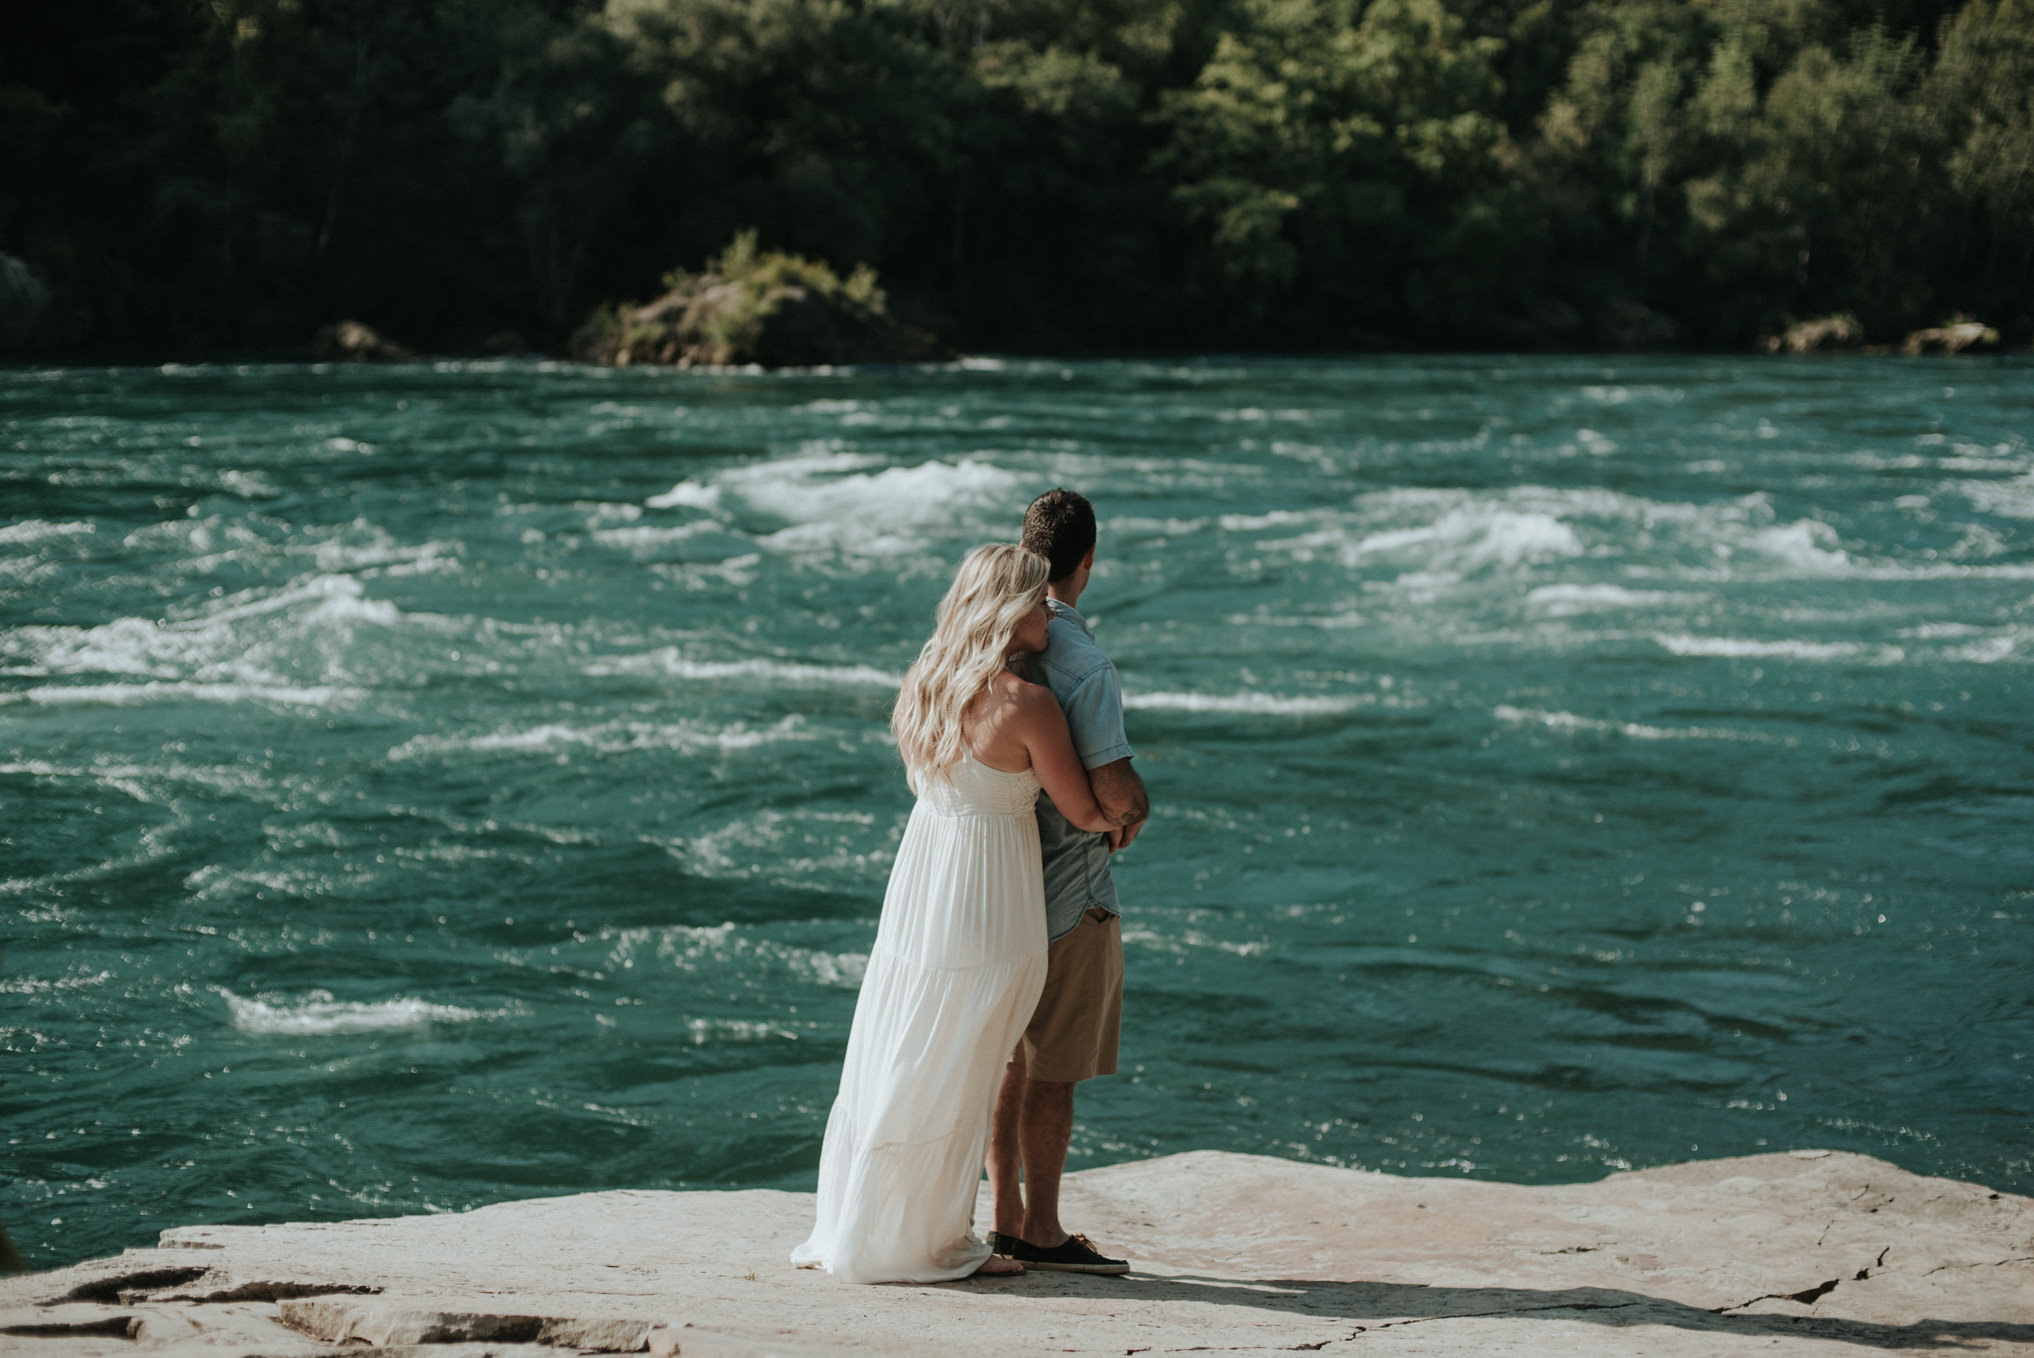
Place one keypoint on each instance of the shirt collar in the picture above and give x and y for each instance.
(1071, 614)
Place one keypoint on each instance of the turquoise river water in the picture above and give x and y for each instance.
(427, 785)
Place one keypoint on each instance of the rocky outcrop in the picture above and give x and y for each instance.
(355, 342)
(24, 303)
(1962, 335)
(1800, 1255)
(1825, 333)
(1547, 323)
(715, 322)
(1625, 324)
(501, 343)
(751, 307)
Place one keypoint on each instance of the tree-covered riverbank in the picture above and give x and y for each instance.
(1230, 173)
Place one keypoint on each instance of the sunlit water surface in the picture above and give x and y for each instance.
(427, 785)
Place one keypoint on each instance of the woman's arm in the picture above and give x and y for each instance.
(1043, 728)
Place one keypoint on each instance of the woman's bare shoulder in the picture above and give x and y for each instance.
(1034, 711)
(1021, 693)
(1009, 686)
(1016, 705)
(1005, 701)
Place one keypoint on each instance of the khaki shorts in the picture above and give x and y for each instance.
(1074, 1030)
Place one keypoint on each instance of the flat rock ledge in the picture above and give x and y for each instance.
(1807, 1252)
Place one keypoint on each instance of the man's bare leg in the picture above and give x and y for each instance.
(1005, 1154)
(1043, 1138)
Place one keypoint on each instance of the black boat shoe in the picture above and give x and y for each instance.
(1077, 1254)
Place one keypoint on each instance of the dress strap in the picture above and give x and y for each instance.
(968, 752)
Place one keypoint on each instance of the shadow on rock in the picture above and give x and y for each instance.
(1370, 1307)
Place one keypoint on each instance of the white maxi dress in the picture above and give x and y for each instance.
(955, 972)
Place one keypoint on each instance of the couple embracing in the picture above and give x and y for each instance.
(996, 980)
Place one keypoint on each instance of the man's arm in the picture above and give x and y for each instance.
(1094, 714)
(1120, 793)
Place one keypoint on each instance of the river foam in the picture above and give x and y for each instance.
(317, 1014)
(669, 661)
(828, 500)
(246, 643)
(1249, 703)
(606, 738)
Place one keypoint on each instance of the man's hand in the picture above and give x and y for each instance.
(1120, 794)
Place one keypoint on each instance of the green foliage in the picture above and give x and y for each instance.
(1347, 145)
(732, 312)
(1981, 95)
(1825, 170)
(569, 121)
(762, 280)
(760, 273)
(1046, 172)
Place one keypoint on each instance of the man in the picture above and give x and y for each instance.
(1072, 1035)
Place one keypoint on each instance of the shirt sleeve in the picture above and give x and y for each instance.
(1094, 717)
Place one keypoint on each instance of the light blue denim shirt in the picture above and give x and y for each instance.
(1084, 681)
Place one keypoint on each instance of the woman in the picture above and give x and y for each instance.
(960, 951)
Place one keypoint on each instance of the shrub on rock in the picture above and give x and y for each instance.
(1841, 331)
(751, 306)
(1959, 336)
(354, 342)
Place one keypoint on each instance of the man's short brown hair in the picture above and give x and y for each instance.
(1060, 526)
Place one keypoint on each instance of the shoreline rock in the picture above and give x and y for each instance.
(25, 300)
(1962, 335)
(711, 322)
(1631, 327)
(356, 342)
(769, 309)
(1802, 1253)
(1823, 334)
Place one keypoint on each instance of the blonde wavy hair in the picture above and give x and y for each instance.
(995, 587)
